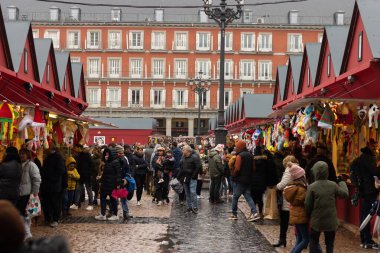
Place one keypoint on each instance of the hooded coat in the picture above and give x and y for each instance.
(215, 164)
(111, 173)
(320, 199)
(295, 194)
(367, 169)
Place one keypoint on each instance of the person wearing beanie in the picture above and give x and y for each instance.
(10, 175)
(72, 180)
(321, 208)
(295, 194)
(241, 177)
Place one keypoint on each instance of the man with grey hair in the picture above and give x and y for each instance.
(188, 174)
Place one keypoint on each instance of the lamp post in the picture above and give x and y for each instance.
(223, 15)
(200, 87)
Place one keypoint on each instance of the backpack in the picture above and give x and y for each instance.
(130, 186)
(354, 172)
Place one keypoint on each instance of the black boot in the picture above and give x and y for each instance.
(280, 243)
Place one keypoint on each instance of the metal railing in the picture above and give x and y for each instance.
(142, 105)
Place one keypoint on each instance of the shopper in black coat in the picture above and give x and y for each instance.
(141, 168)
(259, 178)
(10, 175)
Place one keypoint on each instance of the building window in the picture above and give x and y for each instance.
(157, 98)
(205, 98)
(93, 40)
(54, 36)
(228, 41)
(265, 70)
(179, 124)
(329, 64)
(247, 70)
(113, 97)
(360, 46)
(136, 40)
(93, 68)
(203, 123)
(203, 66)
(158, 68)
(245, 92)
(308, 77)
(74, 59)
(114, 65)
(47, 73)
(228, 72)
(227, 98)
(265, 42)
(248, 16)
(136, 68)
(36, 34)
(247, 42)
(158, 40)
(179, 98)
(114, 40)
(295, 42)
(292, 85)
(203, 41)
(26, 61)
(73, 39)
(135, 97)
(180, 68)
(94, 97)
(180, 41)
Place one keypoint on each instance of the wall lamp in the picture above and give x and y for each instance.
(351, 79)
(50, 94)
(67, 101)
(28, 87)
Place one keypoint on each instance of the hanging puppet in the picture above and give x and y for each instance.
(6, 121)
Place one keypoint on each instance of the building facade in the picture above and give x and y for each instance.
(143, 69)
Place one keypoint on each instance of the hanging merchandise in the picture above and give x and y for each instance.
(77, 136)
(57, 133)
(68, 130)
(328, 118)
(6, 121)
(38, 126)
(373, 115)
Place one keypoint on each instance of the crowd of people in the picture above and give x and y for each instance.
(306, 183)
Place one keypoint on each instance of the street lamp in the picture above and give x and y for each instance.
(223, 15)
(199, 86)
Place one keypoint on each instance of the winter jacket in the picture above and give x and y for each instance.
(53, 174)
(30, 179)
(157, 163)
(72, 178)
(177, 153)
(111, 174)
(332, 171)
(125, 167)
(96, 160)
(366, 170)
(259, 179)
(285, 180)
(215, 164)
(85, 166)
(320, 199)
(243, 170)
(295, 194)
(190, 167)
(168, 164)
(141, 166)
(271, 170)
(10, 178)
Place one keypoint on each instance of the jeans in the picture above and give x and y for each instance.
(315, 247)
(124, 205)
(140, 181)
(68, 199)
(223, 186)
(214, 188)
(191, 193)
(242, 189)
(80, 189)
(302, 238)
(284, 224)
(103, 203)
(365, 234)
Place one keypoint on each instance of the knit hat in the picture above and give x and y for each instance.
(70, 160)
(12, 230)
(119, 149)
(241, 145)
(296, 171)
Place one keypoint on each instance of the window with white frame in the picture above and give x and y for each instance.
(113, 97)
(135, 97)
(329, 64)
(114, 40)
(114, 66)
(248, 42)
(265, 42)
(295, 42)
(36, 34)
(94, 96)
(73, 39)
(203, 41)
(360, 46)
(136, 40)
(93, 67)
(158, 68)
(227, 98)
(247, 70)
(265, 70)
(228, 41)
(181, 41)
(205, 99)
(180, 68)
(136, 68)
(203, 66)
(157, 97)
(228, 69)
(74, 59)
(158, 40)
(245, 92)
(180, 98)
(93, 40)
(54, 36)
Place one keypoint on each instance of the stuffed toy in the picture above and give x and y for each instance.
(285, 122)
(307, 120)
(286, 138)
(373, 115)
(248, 134)
(68, 129)
(360, 118)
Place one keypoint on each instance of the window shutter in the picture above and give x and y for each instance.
(241, 69)
(270, 43)
(174, 98)
(253, 70)
(218, 68)
(219, 39)
(142, 40)
(164, 97)
(208, 98)
(197, 41)
(208, 69)
(142, 97)
(108, 97)
(210, 42)
(151, 97)
(153, 41)
(259, 43)
(289, 42)
(99, 97)
(186, 97)
(129, 97)
(241, 41)
(253, 42)
(270, 71)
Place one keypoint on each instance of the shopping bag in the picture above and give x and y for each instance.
(121, 193)
(33, 208)
(271, 208)
(176, 185)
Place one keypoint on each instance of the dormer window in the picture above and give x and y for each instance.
(360, 47)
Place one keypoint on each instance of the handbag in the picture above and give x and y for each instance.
(33, 208)
(121, 193)
(176, 185)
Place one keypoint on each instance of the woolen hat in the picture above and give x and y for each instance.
(241, 145)
(296, 171)
(119, 149)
